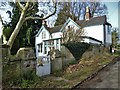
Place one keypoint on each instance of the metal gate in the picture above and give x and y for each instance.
(43, 66)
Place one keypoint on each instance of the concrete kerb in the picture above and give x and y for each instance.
(96, 73)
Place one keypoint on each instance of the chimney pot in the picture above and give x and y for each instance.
(88, 14)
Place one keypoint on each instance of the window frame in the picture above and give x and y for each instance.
(40, 46)
(43, 35)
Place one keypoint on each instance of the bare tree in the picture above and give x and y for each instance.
(115, 35)
(72, 35)
(77, 10)
(23, 17)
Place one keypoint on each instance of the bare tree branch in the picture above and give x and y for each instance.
(1, 19)
(22, 19)
(72, 34)
(26, 5)
(20, 6)
(31, 7)
(30, 17)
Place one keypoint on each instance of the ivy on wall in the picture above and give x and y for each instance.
(77, 48)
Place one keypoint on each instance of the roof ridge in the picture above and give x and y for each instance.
(56, 26)
(92, 21)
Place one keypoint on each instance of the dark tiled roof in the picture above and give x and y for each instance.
(93, 21)
(83, 23)
(55, 29)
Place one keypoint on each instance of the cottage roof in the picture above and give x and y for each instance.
(93, 21)
(83, 23)
(59, 28)
(55, 29)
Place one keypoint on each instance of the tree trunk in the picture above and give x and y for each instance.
(16, 30)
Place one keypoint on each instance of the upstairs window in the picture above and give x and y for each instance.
(43, 35)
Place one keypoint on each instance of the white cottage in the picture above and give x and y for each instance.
(97, 30)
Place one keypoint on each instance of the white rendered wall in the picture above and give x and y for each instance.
(57, 35)
(0, 29)
(39, 37)
(39, 40)
(108, 35)
(60, 34)
(71, 24)
(90, 41)
(95, 32)
(93, 41)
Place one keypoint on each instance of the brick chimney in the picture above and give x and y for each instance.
(88, 14)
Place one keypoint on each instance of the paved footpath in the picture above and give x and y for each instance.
(107, 78)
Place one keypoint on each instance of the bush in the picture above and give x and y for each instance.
(14, 76)
(11, 75)
(77, 48)
(117, 52)
(30, 79)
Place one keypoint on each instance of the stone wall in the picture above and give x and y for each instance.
(4, 52)
(95, 49)
(25, 53)
(56, 64)
(27, 57)
(4, 57)
(66, 56)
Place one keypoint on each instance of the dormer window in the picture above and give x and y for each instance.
(43, 35)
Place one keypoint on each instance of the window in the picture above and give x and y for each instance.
(40, 47)
(57, 44)
(108, 29)
(45, 48)
(52, 42)
(43, 35)
(57, 41)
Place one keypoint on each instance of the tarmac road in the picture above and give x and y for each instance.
(109, 77)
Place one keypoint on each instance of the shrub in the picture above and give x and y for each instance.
(77, 48)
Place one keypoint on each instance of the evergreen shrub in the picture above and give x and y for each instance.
(77, 48)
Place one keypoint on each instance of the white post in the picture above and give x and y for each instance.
(59, 45)
(43, 48)
(55, 41)
(55, 44)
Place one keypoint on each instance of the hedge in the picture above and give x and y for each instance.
(77, 48)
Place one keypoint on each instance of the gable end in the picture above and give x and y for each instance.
(65, 24)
